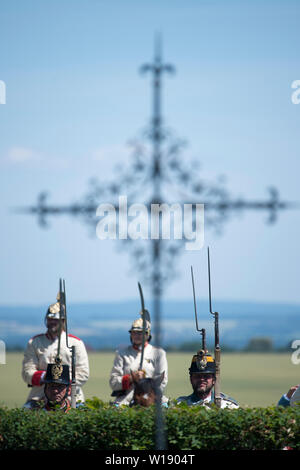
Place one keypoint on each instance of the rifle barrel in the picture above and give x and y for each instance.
(66, 319)
(73, 384)
(217, 340)
(60, 319)
(63, 314)
(209, 281)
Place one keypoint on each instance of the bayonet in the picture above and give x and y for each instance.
(146, 317)
(61, 300)
(217, 341)
(202, 330)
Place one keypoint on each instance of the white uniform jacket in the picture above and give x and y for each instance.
(41, 350)
(127, 361)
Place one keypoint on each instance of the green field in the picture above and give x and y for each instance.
(252, 379)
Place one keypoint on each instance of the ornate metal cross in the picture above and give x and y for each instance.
(158, 171)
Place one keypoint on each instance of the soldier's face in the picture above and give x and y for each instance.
(202, 384)
(55, 392)
(137, 337)
(144, 399)
(53, 326)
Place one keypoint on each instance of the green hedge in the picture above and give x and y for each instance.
(99, 426)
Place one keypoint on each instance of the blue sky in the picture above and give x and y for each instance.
(74, 100)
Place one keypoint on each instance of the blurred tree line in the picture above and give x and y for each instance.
(255, 344)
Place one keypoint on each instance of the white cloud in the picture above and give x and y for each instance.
(18, 155)
(9, 327)
(111, 153)
(22, 155)
(110, 156)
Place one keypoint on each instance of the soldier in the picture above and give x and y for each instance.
(42, 350)
(125, 371)
(288, 397)
(202, 378)
(57, 387)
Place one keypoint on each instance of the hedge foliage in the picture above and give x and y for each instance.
(98, 426)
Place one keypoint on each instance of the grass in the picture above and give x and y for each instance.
(252, 379)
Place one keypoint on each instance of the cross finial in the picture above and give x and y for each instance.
(157, 67)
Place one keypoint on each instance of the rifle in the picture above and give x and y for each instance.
(202, 330)
(217, 341)
(63, 315)
(145, 317)
(61, 301)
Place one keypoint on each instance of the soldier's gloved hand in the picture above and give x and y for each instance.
(291, 391)
(137, 375)
(42, 378)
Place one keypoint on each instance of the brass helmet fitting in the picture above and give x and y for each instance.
(137, 325)
(202, 363)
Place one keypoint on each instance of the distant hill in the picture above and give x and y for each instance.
(106, 325)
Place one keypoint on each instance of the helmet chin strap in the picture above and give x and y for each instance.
(53, 403)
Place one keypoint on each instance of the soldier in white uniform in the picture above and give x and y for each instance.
(42, 350)
(202, 378)
(126, 365)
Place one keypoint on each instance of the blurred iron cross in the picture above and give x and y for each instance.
(157, 172)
